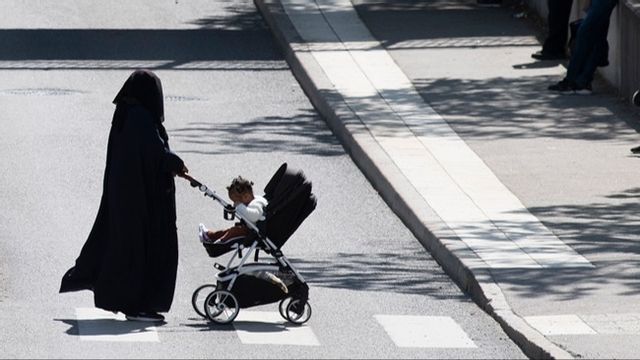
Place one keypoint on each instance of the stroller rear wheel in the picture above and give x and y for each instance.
(199, 296)
(221, 307)
(298, 311)
(282, 307)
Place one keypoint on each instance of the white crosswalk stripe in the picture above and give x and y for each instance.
(406, 331)
(269, 328)
(591, 324)
(560, 325)
(261, 327)
(425, 331)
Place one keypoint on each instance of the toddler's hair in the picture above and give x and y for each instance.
(240, 185)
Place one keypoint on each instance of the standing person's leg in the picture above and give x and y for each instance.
(558, 21)
(635, 99)
(586, 40)
(599, 27)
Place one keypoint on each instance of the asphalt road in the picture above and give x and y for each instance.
(232, 107)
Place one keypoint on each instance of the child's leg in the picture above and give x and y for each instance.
(215, 235)
(235, 232)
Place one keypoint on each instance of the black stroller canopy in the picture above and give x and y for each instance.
(290, 202)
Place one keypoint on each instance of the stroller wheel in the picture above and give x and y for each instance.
(199, 296)
(282, 307)
(298, 312)
(221, 307)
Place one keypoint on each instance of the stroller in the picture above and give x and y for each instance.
(242, 283)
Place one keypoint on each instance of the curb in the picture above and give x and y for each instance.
(458, 261)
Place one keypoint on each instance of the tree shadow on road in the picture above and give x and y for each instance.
(304, 133)
(443, 24)
(405, 271)
(522, 108)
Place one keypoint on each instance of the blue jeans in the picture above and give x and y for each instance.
(591, 42)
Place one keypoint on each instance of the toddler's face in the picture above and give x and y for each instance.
(235, 196)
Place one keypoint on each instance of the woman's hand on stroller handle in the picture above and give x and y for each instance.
(182, 172)
(229, 208)
(193, 182)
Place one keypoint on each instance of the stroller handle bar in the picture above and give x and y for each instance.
(229, 212)
(207, 192)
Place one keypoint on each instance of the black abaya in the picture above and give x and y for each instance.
(131, 255)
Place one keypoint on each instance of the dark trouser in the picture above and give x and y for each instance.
(230, 234)
(591, 42)
(558, 21)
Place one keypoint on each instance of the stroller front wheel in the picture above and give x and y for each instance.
(298, 312)
(199, 296)
(221, 307)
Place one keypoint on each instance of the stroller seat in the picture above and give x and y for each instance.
(290, 201)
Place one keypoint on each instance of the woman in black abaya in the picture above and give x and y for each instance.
(130, 258)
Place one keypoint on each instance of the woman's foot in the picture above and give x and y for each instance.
(145, 316)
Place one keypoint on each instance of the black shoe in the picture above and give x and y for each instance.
(540, 55)
(635, 150)
(636, 98)
(569, 86)
(561, 86)
(145, 316)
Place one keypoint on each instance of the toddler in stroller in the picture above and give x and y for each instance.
(251, 208)
(243, 283)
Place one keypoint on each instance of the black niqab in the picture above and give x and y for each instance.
(142, 87)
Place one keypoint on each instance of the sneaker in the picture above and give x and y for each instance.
(145, 316)
(583, 90)
(636, 98)
(202, 234)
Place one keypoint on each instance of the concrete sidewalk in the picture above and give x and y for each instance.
(527, 199)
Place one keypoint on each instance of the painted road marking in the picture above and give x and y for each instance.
(455, 181)
(424, 331)
(560, 325)
(260, 327)
(99, 325)
(572, 324)
(614, 324)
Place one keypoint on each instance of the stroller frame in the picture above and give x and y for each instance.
(221, 305)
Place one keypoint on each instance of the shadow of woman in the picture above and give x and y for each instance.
(107, 327)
